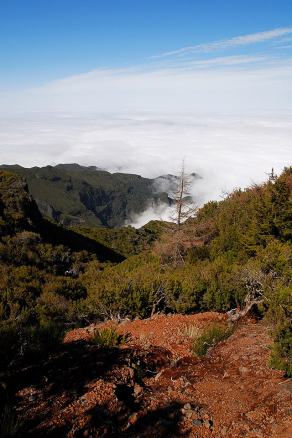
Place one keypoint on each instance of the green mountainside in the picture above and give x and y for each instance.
(19, 213)
(42, 269)
(127, 240)
(53, 278)
(71, 194)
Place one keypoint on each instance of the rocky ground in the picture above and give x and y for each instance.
(154, 386)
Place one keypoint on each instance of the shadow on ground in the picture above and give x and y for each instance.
(47, 389)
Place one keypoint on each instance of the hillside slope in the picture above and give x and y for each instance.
(230, 393)
(150, 376)
(77, 195)
(19, 212)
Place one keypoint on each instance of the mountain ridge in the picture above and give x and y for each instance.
(72, 194)
(19, 213)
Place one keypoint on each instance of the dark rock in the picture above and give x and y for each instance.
(197, 422)
(209, 424)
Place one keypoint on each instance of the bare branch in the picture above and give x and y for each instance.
(184, 206)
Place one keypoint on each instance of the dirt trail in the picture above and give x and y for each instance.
(154, 386)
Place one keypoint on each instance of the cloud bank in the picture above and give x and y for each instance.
(226, 151)
(229, 116)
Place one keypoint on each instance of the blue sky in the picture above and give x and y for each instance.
(42, 40)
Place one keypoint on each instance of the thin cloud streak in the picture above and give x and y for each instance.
(241, 40)
(240, 61)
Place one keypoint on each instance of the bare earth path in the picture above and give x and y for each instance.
(154, 386)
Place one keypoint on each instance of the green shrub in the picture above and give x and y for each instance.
(9, 422)
(18, 340)
(279, 316)
(45, 337)
(281, 354)
(108, 337)
(8, 343)
(68, 288)
(210, 337)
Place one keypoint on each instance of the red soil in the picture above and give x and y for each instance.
(155, 386)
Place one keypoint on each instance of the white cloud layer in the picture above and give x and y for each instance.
(230, 117)
(236, 85)
(226, 151)
(160, 213)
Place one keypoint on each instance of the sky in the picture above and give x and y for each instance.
(137, 86)
(50, 39)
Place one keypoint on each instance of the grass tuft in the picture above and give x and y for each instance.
(210, 337)
(108, 337)
(9, 422)
(191, 331)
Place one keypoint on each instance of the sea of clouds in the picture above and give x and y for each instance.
(227, 152)
(228, 117)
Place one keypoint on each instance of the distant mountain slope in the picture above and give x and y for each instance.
(128, 240)
(19, 213)
(77, 195)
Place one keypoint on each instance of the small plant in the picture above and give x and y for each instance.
(9, 423)
(210, 337)
(138, 370)
(45, 337)
(108, 337)
(191, 331)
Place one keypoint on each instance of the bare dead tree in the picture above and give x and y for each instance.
(272, 176)
(183, 209)
(160, 299)
(183, 204)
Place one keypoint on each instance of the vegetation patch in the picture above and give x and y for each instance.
(281, 354)
(191, 331)
(52, 277)
(108, 337)
(210, 337)
(9, 422)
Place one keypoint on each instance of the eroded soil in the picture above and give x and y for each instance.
(154, 386)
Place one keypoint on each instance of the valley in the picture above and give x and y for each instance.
(109, 332)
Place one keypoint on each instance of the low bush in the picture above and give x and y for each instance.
(108, 337)
(281, 354)
(210, 337)
(279, 316)
(8, 344)
(9, 422)
(19, 342)
(44, 338)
